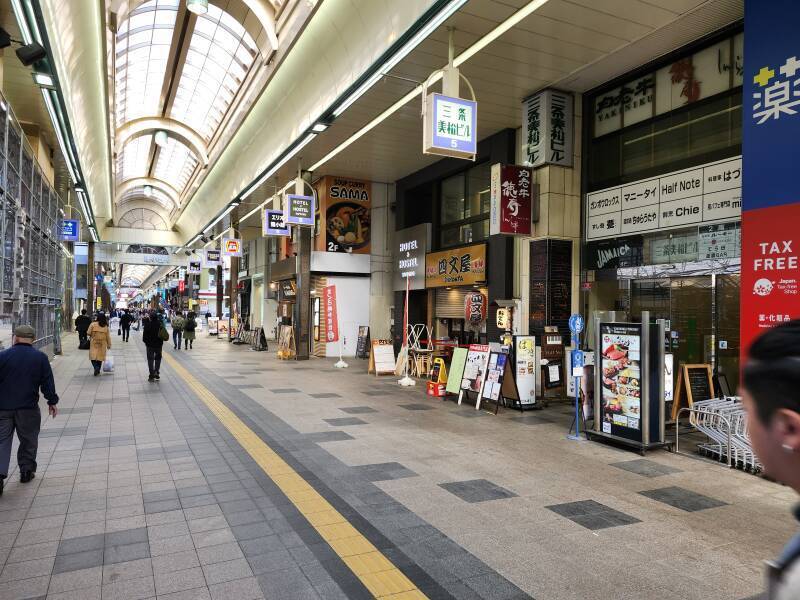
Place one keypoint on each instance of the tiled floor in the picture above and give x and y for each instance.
(142, 492)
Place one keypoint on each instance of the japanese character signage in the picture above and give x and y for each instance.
(231, 247)
(273, 223)
(475, 308)
(770, 287)
(411, 245)
(194, 267)
(707, 194)
(212, 258)
(511, 200)
(299, 210)
(70, 230)
(331, 316)
(547, 129)
(719, 242)
(450, 126)
(459, 266)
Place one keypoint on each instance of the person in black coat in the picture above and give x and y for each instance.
(125, 325)
(82, 325)
(151, 325)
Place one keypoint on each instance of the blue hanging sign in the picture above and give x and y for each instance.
(450, 126)
(70, 230)
(576, 323)
(275, 224)
(299, 210)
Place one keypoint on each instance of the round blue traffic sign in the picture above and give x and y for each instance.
(576, 323)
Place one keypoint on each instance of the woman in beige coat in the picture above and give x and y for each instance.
(99, 342)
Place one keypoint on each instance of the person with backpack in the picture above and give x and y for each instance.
(177, 330)
(189, 328)
(125, 325)
(81, 326)
(100, 342)
(771, 395)
(154, 335)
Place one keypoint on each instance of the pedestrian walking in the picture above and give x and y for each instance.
(125, 325)
(153, 339)
(178, 323)
(189, 328)
(100, 342)
(24, 371)
(771, 394)
(81, 326)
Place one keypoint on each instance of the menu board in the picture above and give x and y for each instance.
(525, 367)
(382, 359)
(457, 365)
(494, 376)
(213, 323)
(475, 368)
(621, 378)
(362, 346)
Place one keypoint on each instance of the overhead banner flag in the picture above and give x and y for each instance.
(274, 223)
(231, 247)
(331, 315)
(770, 289)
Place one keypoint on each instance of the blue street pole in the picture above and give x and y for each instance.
(575, 327)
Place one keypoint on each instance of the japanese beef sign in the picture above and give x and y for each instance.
(450, 126)
(547, 129)
(511, 200)
(299, 210)
(707, 194)
(274, 223)
(331, 316)
(770, 292)
(459, 266)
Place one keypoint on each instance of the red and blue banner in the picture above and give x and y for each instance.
(770, 291)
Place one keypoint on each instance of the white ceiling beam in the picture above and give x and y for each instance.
(178, 130)
(147, 237)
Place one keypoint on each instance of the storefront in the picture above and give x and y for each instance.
(662, 200)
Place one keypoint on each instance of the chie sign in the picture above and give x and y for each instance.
(331, 316)
(231, 247)
(274, 223)
(299, 210)
(450, 126)
(547, 123)
(511, 200)
(770, 291)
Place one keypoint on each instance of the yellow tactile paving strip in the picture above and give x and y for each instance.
(376, 572)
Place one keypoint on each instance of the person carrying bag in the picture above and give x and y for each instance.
(100, 342)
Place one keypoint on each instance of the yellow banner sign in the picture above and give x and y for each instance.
(459, 266)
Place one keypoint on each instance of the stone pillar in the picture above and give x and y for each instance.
(91, 280)
(302, 305)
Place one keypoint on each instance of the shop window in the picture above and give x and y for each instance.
(465, 201)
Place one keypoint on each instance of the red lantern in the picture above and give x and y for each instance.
(475, 308)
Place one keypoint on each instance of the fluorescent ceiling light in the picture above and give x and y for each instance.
(43, 79)
(198, 7)
(195, 239)
(48, 102)
(319, 127)
(219, 218)
(254, 186)
(415, 41)
(22, 21)
(148, 190)
(490, 37)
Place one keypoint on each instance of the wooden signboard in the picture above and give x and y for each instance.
(499, 381)
(694, 383)
(362, 347)
(286, 347)
(456, 370)
(381, 358)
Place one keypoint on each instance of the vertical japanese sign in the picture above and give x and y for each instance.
(450, 126)
(331, 316)
(511, 200)
(770, 290)
(547, 129)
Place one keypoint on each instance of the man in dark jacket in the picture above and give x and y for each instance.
(24, 371)
(151, 326)
(82, 325)
(125, 325)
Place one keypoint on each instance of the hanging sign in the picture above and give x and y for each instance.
(212, 258)
(411, 245)
(331, 316)
(231, 247)
(273, 223)
(450, 126)
(70, 230)
(475, 308)
(345, 212)
(181, 286)
(194, 267)
(299, 210)
(511, 200)
(459, 266)
(547, 129)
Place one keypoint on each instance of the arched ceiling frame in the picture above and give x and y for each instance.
(127, 206)
(149, 125)
(139, 182)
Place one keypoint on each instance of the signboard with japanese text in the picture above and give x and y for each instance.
(231, 247)
(719, 242)
(458, 266)
(411, 245)
(620, 361)
(299, 210)
(511, 199)
(706, 194)
(345, 215)
(331, 313)
(194, 267)
(212, 258)
(770, 284)
(70, 230)
(451, 126)
(273, 223)
(547, 129)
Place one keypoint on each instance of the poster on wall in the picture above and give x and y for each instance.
(621, 401)
(525, 368)
(474, 368)
(345, 213)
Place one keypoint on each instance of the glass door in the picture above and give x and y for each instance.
(691, 320)
(726, 299)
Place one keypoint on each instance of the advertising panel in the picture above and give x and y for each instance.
(299, 210)
(450, 127)
(345, 209)
(459, 266)
(475, 368)
(511, 200)
(273, 223)
(525, 367)
(410, 247)
(621, 378)
(331, 316)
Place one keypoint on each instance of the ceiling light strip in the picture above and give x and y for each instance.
(274, 169)
(48, 102)
(470, 52)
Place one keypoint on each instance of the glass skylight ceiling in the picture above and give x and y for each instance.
(176, 163)
(220, 54)
(135, 275)
(142, 218)
(134, 158)
(157, 195)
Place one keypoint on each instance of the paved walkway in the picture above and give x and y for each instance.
(239, 476)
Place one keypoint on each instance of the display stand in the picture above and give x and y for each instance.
(456, 371)
(437, 381)
(695, 382)
(381, 358)
(475, 367)
(524, 359)
(498, 385)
